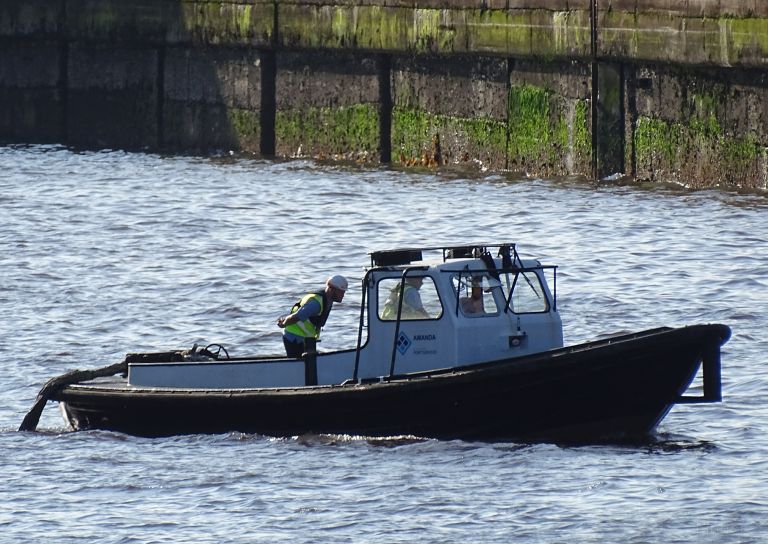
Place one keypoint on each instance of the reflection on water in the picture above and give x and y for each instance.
(104, 253)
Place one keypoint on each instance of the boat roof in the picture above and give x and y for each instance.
(412, 255)
(444, 256)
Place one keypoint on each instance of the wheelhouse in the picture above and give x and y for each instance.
(473, 304)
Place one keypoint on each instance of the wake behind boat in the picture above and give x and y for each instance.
(481, 358)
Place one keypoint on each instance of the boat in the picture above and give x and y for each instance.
(482, 358)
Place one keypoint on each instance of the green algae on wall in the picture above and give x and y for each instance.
(571, 137)
(740, 155)
(415, 134)
(655, 140)
(703, 121)
(486, 133)
(529, 128)
(355, 128)
(668, 145)
(534, 134)
(340, 27)
(673, 149)
(557, 34)
(538, 137)
(543, 130)
(488, 30)
(443, 30)
(704, 33)
(747, 34)
(349, 131)
(228, 23)
(246, 126)
(411, 128)
(582, 141)
(371, 27)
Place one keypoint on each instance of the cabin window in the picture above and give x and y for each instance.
(528, 295)
(420, 301)
(475, 294)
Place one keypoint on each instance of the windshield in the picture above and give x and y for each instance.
(528, 294)
(420, 299)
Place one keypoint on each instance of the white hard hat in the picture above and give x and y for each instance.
(339, 282)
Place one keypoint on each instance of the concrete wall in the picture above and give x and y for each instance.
(658, 89)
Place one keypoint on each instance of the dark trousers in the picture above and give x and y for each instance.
(293, 349)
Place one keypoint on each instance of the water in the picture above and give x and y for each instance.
(104, 253)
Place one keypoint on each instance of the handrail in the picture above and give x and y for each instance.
(458, 287)
(400, 299)
(366, 281)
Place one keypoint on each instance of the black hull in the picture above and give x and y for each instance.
(614, 389)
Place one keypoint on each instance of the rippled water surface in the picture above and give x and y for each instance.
(104, 253)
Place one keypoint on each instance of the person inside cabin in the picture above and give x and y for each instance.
(412, 308)
(473, 304)
(309, 315)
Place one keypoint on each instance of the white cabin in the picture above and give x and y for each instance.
(477, 303)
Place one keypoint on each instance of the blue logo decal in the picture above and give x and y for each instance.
(403, 343)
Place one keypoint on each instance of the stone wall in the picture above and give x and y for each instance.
(699, 127)
(695, 88)
(327, 105)
(33, 57)
(658, 89)
(450, 110)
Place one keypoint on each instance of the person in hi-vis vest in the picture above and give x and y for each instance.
(309, 315)
(412, 308)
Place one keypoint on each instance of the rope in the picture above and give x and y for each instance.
(56, 384)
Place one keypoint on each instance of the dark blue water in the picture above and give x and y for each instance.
(104, 253)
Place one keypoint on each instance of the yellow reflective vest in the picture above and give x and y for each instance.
(310, 328)
(390, 306)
